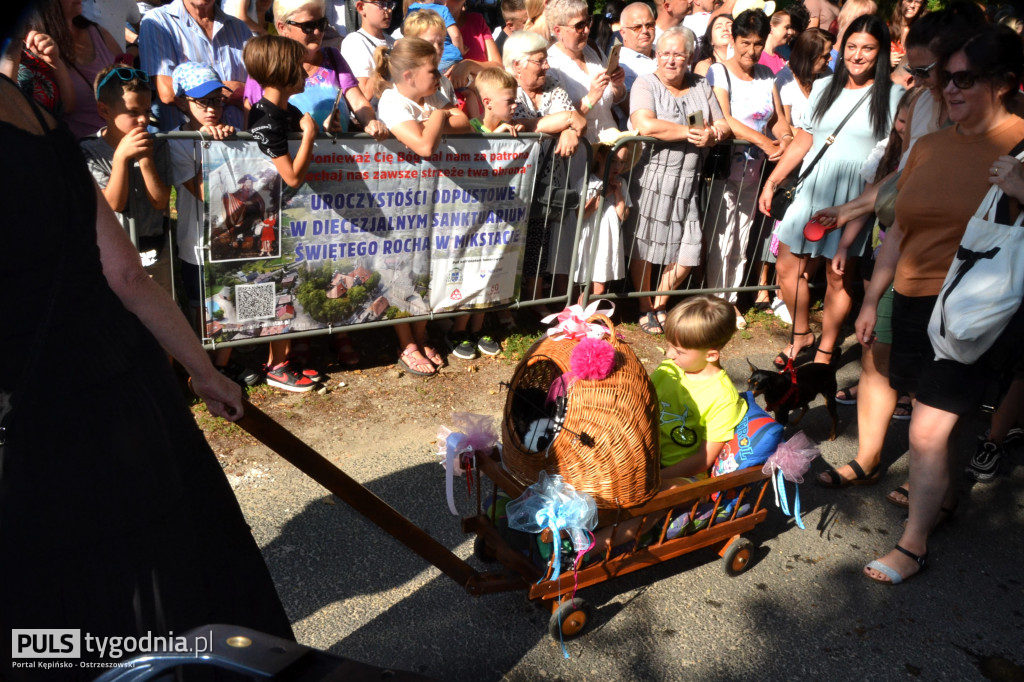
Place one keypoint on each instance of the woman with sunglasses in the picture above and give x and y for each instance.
(861, 85)
(580, 68)
(326, 72)
(933, 207)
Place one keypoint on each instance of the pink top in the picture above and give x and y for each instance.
(85, 119)
(772, 61)
(475, 34)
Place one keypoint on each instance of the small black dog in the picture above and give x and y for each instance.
(782, 395)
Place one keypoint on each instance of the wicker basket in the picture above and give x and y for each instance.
(608, 443)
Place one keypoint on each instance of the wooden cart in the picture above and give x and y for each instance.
(569, 615)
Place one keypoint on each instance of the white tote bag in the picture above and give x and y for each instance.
(983, 287)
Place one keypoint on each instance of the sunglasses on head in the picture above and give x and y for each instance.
(919, 72)
(309, 27)
(579, 26)
(963, 80)
(124, 73)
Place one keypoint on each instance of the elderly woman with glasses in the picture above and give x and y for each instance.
(580, 68)
(544, 106)
(679, 109)
(326, 72)
(981, 77)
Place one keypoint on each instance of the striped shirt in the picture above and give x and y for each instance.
(170, 36)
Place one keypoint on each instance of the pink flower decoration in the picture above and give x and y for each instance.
(592, 359)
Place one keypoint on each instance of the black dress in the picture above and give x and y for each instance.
(115, 517)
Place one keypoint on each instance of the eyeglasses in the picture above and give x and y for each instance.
(963, 80)
(672, 56)
(539, 63)
(383, 5)
(125, 74)
(309, 27)
(919, 72)
(649, 26)
(209, 102)
(579, 26)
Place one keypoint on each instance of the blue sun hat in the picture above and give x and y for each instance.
(195, 79)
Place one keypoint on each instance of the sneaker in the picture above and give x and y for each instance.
(1013, 436)
(299, 366)
(285, 377)
(240, 374)
(985, 463)
(462, 346)
(488, 346)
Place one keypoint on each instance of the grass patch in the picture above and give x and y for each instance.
(517, 343)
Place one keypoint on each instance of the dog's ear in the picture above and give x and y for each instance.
(752, 368)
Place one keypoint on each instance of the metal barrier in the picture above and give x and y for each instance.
(550, 279)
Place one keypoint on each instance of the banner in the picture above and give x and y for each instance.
(375, 232)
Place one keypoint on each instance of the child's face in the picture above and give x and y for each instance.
(515, 21)
(376, 15)
(207, 110)
(435, 37)
(424, 79)
(900, 122)
(620, 160)
(128, 113)
(501, 103)
(690, 360)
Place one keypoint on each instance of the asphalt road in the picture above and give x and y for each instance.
(803, 610)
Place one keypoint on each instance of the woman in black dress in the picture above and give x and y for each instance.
(115, 517)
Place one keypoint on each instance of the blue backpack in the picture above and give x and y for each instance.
(757, 438)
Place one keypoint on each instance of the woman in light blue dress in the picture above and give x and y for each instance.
(863, 70)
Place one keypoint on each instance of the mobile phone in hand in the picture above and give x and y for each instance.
(695, 120)
(613, 58)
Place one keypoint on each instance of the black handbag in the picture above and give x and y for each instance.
(786, 190)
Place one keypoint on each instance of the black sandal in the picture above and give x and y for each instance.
(834, 357)
(649, 324)
(860, 478)
(782, 359)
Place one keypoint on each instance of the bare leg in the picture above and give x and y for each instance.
(640, 274)
(671, 277)
(875, 403)
(278, 352)
(930, 429)
(795, 293)
(837, 307)
(1009, 412)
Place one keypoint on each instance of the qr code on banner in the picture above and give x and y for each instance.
(254, 301)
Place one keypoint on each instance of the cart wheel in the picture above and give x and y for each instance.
(737, 556)
(482, 552)
(569, 619)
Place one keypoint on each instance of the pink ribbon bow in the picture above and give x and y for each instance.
(572, 323)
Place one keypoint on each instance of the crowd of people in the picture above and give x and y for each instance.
(869, 112)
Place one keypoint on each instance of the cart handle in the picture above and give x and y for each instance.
(310, 462)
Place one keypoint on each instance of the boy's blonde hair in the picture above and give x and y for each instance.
(113, 90)
(405, 55)
(494, 79)
(421, 21)
(702, 323)
(274, 61)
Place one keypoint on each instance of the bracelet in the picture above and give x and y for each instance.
(585, 102)
(771, 184)
(787, 135)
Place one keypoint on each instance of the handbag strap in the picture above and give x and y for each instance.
(831, 139)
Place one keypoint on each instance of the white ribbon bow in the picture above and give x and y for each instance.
(572, 322)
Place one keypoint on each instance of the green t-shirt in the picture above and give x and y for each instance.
(694, 410)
